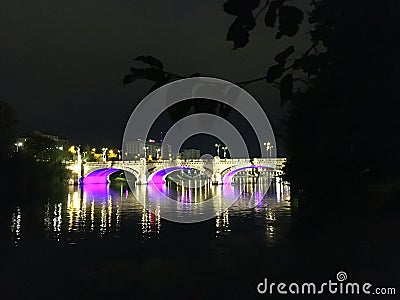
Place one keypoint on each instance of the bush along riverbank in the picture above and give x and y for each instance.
(28, 177)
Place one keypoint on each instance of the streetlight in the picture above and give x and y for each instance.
(217, 146)
(270, 150)
(158, 153)
(145, 152)
(19, 144)
(119, 155)
(224, 148)
(104, 154)
(267, 144)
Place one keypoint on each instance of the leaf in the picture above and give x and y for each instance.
(240, 7)
(296, 64)
(238, 32)
(290, 18)
(274, 72)
(151, 61)
(286, 88)
(159, 84)
(271, 15)
(281, 57)
(128, 79)
(137, 73)
(195, 75)
(154, 74)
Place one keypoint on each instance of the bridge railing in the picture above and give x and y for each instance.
(278, 162)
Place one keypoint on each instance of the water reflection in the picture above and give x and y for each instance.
(270, 218)
(16, 226)
(101, 210)
(222, 223)
(57, 221)
(151, 222)
(187, 199)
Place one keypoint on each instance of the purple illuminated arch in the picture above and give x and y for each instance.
(159, 176)
(98, 192)
(228, 177)
(99, 176)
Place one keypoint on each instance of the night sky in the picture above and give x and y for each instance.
(62, 62)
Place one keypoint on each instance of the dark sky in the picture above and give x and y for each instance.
(62, 62)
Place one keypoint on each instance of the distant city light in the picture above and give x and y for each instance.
(72, 149)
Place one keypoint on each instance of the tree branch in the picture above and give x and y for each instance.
(245, 82)
(304, 55)
(261, 10)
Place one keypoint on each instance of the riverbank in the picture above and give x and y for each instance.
(28, 176)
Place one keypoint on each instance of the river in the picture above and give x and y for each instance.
(101, 237)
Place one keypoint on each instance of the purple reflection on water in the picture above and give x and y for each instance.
(99, 176)
(229, 191)
(97, 192)
(157, 187)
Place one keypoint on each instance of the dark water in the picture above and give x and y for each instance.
(102, 238)
(100, 242)
(112, 212)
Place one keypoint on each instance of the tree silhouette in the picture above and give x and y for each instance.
(284, 19)
(342, 130)
(44, 149)
(8, 129)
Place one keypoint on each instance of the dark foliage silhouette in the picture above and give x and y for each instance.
(343, 126)
(284, 19)
(8, 129)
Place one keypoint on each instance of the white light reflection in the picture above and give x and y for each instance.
(151, 222)
(47, 217)
(222, 223)
(15, 226)
(92, 215)
(57, 221)
(103, 220)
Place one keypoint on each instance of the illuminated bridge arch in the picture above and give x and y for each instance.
(160, 172)
(227, 179)
(101, 175)
(159, 176)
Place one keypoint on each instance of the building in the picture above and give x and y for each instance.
(61, 144)
(149, 149)
(190, 154)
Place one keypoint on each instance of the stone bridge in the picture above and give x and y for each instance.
(217, 168)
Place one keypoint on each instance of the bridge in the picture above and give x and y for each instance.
(220, 170)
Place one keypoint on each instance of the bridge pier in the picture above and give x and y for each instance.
(216, 179)
(142, 179)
